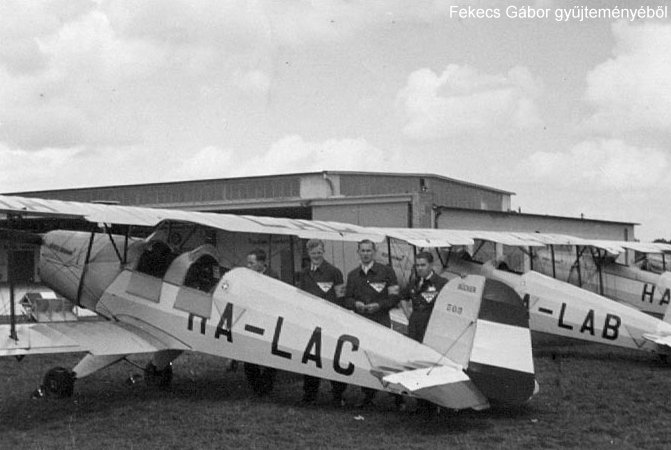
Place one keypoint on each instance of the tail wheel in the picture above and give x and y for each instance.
(161, 379)
(59, 382)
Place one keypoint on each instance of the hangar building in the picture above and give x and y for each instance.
(364, 198)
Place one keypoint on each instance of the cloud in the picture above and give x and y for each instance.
(293, 154)
(208, 162)
(632, 90)
(252, 82)
(22, 22)
(36, 168)
(290, 154)
(464, 100)
(74, 99)
(601, 164)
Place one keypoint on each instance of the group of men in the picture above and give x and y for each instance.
(371, 291)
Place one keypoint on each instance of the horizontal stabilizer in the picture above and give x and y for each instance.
(442, 385)
(95, 337)
(664, 341)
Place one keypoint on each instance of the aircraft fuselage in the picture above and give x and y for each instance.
(560, 309)
(648, 291)
(245, 316)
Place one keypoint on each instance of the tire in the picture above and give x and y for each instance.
(59, 382)
(161, 379)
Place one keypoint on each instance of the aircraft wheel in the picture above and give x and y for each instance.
(59, 382)
(161, 379)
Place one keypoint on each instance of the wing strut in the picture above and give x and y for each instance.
(80, 288)
(116, 250)
(475, 252)
(576, 264)
(12, 307)
(443, 260)
(391, 263)
(125, 245)
(598, 258)
(10, 278)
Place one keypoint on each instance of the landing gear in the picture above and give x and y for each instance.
(155, 378)
(58, 382)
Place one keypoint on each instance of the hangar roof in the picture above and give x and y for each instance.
(288, 187)
(514, 213)
(299, 174)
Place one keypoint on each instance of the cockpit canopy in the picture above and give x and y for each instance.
(197, 269)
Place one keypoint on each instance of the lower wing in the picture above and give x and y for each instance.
(96, 337)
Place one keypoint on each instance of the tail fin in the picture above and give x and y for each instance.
(483, 325)
(664, 286)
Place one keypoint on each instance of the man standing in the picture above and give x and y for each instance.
(326, 281)
(372, 290)
(422, 291)
(257, 261)
(260, 378)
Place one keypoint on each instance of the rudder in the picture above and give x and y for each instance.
(483, 324)
(501, 363)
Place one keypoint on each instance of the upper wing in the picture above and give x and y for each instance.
(427, 237)
(96, 337)
(440, 237)
(130, 215)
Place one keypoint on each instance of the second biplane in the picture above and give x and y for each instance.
(556, 308)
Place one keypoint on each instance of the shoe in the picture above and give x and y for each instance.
(399, 403)
(232, 366)
(339, 402)
(428, 410)
(308, 400)
(365, 403)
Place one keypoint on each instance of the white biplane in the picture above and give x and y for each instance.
(164, 295)
(556, 308)
(605, 267)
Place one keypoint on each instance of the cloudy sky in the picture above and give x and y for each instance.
(574, 116)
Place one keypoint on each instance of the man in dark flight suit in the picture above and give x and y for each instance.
(260, 378)
(422, 291)
(323, 280)
(372, 290)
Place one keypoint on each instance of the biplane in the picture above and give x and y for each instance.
(607, 268)
(556, 308)
(169, 292)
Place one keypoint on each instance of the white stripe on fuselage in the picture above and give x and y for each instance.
(497, 344)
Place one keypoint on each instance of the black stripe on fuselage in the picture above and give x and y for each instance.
(501, 385)
(501, 304)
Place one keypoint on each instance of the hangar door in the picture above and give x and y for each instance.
(343, 254)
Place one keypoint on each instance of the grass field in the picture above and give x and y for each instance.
(591, 397)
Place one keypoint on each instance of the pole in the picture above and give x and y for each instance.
(12, 308)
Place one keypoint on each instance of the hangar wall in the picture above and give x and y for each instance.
(462, 219)
(392, 213)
